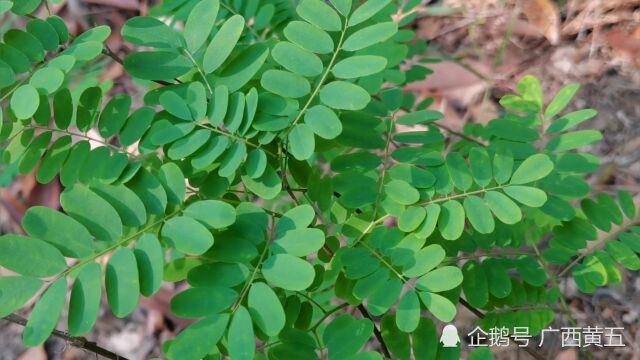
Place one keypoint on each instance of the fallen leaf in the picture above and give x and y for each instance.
(545, 16)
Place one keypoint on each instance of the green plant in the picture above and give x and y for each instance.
(266, 168)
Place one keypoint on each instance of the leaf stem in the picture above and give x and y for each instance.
(78, 342)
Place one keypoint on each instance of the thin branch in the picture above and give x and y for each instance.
(376, 331)
(78, 342)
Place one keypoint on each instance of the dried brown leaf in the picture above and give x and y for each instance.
(545, 16)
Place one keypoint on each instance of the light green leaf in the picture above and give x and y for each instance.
(198, 339)
(242, 344)
(45, 314)
(479, 214)
(574, 140)
(366, 11)
(429, 225)
(424, 261)
(25, 101)
(319, 14)
(323, 121)
(92, 211)
(15, 291)
(344, 96)
(85, 299)
(309, 37)
(267, 186)
(301, 142)
(503, 208)
(451, 220)
(359, 66)
(266, 309)
(187, 235)
(296, 59)
(58, 229)
(570, 120)
(441, 279)
(411, 218)
(148, 31)
(122, 283)
(401, 192)
(420, 117)
(214, 214)
(299, 242)
(172, 180)
(343, 6)
(128, 205)
(199, 23)
(370, 35)
(48, 79)
(561, 100)
(480, 166)
(527, 195)
(441, 307)
(150, 263)
(285, 83)
(459, 171)
(223, 43)
(30, 256)
(532, 169)
(114, 115)
(288, 272)
(203, 301)
(300, 217)
(408, 312)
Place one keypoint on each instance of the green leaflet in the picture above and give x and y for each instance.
(223, 43)
(301, 142)
(30, 256)
(439, 306)
(344, 96)
(408, 313)
(157, 65)
(58, 229)
(296, 59)
(309, 37)
(266, 309)
(45, 314)
(85, 299)
(122, 283)
(323, 121)
(561, 100)
(442, 279)
(150, 262)
(199, 23)
(24, 101)
(366, 11)
(370, 35)
(451, 220)
(187, 235)
(345, 335)
(197, 340)
(533, 168)
(212, 213)
(15, 291)
(288, 272)
(241, 339)
(148, 31)
(202, 301)
(285, 84)
(359, 66)
(92, 211)
(319, 14)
